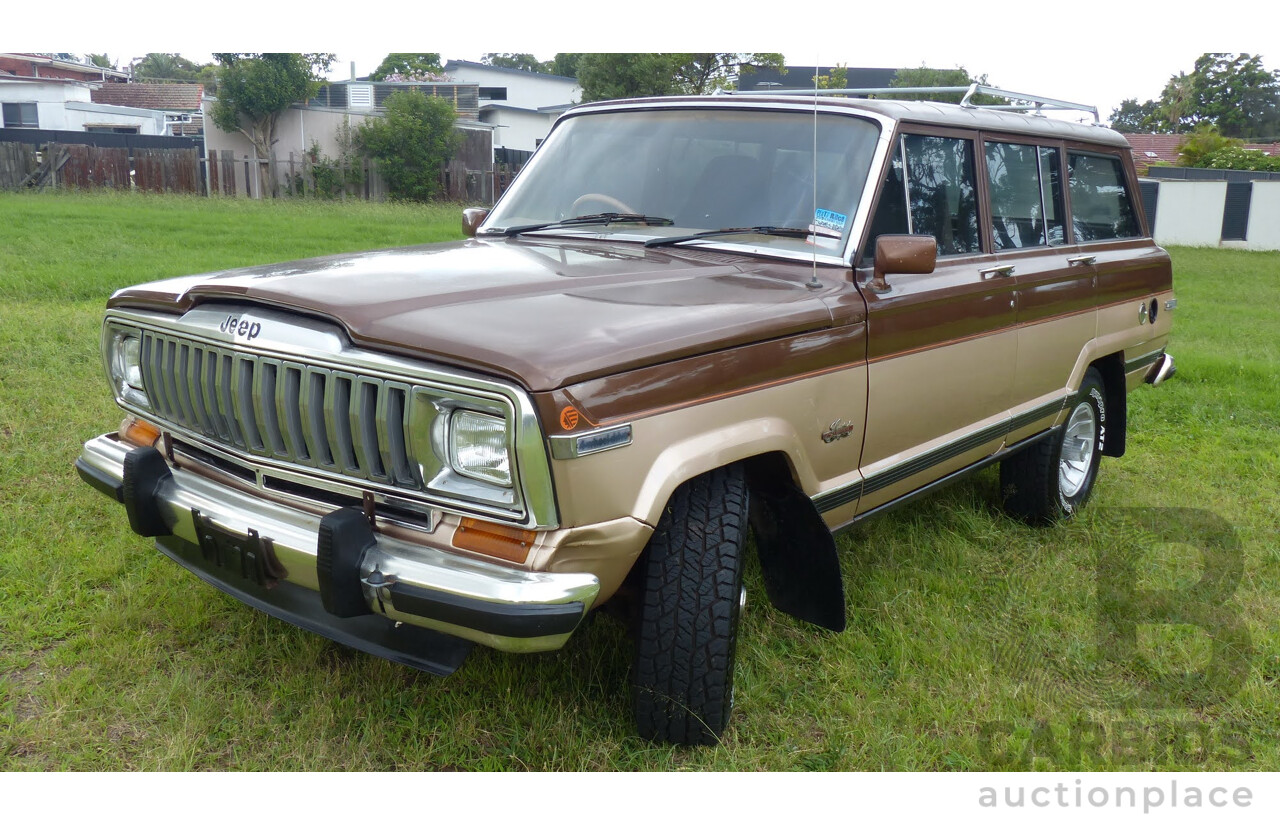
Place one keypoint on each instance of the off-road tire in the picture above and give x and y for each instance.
(687, 622)
(1032, 481)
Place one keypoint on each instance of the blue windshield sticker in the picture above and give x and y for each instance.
(827, 219)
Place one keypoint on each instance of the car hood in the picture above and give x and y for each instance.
(544, 313)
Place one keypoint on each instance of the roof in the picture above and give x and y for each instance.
(925, 112)
(91, 72)
(541, 110)
(1150, 149)
(167, 97)
(59, 81)
(454, 64)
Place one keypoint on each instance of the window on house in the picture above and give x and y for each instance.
(1101, 205)
(493, 92)
(929, 190)
(21, 116)
(1025, 183)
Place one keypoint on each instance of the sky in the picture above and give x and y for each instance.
(1096, 52)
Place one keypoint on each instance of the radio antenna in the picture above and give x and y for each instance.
(814, 283)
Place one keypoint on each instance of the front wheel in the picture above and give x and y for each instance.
(687, 623)
(1050, 480)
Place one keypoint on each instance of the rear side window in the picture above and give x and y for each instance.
(929, 190)
(1101, 205)
(1025, 183)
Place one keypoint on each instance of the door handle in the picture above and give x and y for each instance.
(1004, 271)
(1083, 260)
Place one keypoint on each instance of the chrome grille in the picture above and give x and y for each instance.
(332, 420)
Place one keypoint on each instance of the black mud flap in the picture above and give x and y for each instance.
(797, 552)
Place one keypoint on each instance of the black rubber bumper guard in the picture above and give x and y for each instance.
(244, 567)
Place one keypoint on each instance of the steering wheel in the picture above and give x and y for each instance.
(607, 200)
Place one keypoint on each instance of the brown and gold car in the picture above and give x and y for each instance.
(689, 319)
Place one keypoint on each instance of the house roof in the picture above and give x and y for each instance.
(168, 97)
(1149, 149)
(89, 71)
(470, 64)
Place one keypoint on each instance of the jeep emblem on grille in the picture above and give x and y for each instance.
(240, 327)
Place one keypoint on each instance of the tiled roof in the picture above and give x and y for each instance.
(166, 97)
(1149, 149)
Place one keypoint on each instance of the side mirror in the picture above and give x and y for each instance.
(471, 220)
(903, 255)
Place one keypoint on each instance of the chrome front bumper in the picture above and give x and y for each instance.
(252, 547)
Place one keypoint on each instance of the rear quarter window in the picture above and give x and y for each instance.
(1101, 204)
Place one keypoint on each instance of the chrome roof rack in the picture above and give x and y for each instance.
(1020, 102)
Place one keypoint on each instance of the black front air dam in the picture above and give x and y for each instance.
(406, 644)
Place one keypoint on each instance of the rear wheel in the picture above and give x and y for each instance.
(1050, 480)
(690, 602)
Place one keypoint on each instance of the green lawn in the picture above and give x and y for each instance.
(973, 641)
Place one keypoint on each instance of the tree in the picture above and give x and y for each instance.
(409, 67)
(609, 76)
(255, 89)
(102, 61)
(565, 64)
(1233, 92)
(1238, 95)
(411, 144)
(1137, 118)
(524, 62)
(836, 78)
(925, 76)
(166, 66)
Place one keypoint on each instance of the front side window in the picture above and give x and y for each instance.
(929, 190)
(1026, 195)
(700, 169)
(21, 116)
(1101, 207)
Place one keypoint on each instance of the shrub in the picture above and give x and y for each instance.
(1203, 141)
(1237, 157)
(411, 144)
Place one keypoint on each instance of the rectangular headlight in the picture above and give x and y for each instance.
(124, 364)
(478, 447)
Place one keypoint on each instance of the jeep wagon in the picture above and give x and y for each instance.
(688, 320)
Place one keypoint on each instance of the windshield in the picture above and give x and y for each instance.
(700, 169)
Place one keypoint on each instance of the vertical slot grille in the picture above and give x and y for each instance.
(353, 425)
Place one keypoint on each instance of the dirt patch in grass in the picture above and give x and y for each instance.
(24, 685)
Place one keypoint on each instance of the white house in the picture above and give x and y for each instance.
(520, 105)
(55, 103)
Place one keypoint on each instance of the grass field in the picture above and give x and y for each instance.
(974, 642)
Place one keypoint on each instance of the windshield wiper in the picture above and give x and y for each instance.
(784, 231)
(601, 219)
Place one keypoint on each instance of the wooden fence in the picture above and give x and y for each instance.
(80, 166)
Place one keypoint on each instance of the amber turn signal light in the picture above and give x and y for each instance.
(138, 432)
(508, 543)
